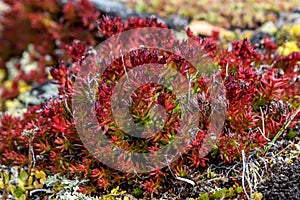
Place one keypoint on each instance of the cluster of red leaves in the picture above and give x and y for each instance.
(111, 26)
(262, 91)
(49, 27)
(255, 81)
(46, 24)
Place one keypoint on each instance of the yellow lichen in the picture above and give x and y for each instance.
(295, 30)
(256, 196)
(12, 104)
(288, 47)
(14, 108)
(23, 87)
(8, 84)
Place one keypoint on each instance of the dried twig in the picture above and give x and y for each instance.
(263, 131)
(30, 135)
(244, 174)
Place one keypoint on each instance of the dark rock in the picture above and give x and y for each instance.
(257, 38)
(177, 22)
(288, 18)
(284, 182)
(39, 94)
(297, 11)
(112, 8)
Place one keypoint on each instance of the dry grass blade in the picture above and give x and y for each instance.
(286, 124)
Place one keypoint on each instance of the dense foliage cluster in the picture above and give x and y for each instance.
(241, 14)
(262, 90)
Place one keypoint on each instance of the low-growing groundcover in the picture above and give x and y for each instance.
(46, 46)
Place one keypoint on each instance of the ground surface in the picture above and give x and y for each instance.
(274, 175)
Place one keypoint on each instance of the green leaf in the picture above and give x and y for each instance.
(239, 190)
(21, 184)
(11, 188)
(223, 192)
(217, 194)
(22, 197)
(1, 184)
(23, 175)
(291, 134)
(137, 192)
(6, 178)
(18, 192)
(230, 192)
(204, 196)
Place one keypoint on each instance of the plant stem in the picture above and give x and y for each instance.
(286, 124)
